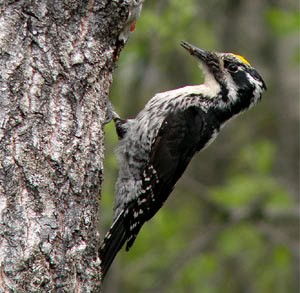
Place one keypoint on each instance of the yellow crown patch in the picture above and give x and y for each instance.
(242, 59)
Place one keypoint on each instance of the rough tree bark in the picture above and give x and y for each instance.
(56, 63)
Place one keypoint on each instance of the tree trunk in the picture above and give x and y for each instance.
(56, 63)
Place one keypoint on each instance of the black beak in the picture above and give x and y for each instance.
(194, 51)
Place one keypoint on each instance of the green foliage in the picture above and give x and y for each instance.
(110, 169)
(199, 273)
(255, 182)
(283, 22)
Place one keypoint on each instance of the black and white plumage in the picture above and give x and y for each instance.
(156, 147)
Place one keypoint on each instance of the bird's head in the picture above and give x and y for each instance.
(236, 77)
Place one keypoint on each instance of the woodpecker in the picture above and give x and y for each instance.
(155, 148)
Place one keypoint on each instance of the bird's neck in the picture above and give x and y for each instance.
(231, 102)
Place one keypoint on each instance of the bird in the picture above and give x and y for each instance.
(156, 146)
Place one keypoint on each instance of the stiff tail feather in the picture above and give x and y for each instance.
(112, 243)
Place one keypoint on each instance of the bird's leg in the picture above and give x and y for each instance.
(111, 114)
(121, 124)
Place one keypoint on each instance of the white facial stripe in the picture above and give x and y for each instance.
(258, 85)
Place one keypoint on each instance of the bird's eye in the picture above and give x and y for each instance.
(233, 67)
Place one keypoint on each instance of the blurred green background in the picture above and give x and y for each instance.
(232, 223)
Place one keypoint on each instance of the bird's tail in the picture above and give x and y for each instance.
(112, 243)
